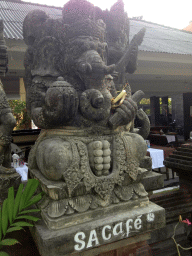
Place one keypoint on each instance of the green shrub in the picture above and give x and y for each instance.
(14, 212)
(19, 110)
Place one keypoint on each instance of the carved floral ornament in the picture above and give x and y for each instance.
(88, 154)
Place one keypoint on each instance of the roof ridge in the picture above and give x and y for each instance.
(23, 2)
(165, 52)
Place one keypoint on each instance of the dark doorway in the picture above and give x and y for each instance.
(187, 108)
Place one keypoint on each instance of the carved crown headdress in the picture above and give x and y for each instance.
(79, 14)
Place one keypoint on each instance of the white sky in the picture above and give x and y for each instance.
(172, 13)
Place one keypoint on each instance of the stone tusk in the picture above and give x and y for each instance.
(119, 97)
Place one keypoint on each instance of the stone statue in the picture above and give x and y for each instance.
(7, 121)
(88, 154)
(8, 175)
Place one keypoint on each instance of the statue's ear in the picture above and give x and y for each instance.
(33, 25)
(47, 55)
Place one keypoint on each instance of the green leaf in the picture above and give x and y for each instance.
(4, 254)
(9, 230)
(21, 203)
(4, 217)
(22, 224)
(30, 189)
(9, 241)
(34, 200)
(28, 218)
(29, 211)
(10, 203)
(17, 200)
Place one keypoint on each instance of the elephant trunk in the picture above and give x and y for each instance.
(91, 63)
(94, 105)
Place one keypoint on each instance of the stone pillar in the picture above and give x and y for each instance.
(22, 89)
(155, 110)
(177, 109)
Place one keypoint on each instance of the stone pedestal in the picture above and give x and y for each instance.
(7, 181)
(153, 181)
(108, 232)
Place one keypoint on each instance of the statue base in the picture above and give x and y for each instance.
(100, 234)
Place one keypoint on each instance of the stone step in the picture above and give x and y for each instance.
(175, 165)
(185, 149)
(179, 161)
(175, 203)
(182, 153)
(182, 157)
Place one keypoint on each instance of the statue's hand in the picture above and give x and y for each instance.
(53, 103)
(61, 102)
(127, 111)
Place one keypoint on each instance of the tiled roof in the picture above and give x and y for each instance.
(158, 38)
(13, 14)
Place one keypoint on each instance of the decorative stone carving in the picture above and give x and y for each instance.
(6, 181)
(88, 154)
(7, 121)
(8, 175)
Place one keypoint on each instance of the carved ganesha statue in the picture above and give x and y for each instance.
(88, 154)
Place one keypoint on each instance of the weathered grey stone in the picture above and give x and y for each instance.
(91, 215)
(89, 159)
(84, 188)
(119, 245)
(72, 89)
(8, 175)
(153, 181)
(7, 181)
(100, 231)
